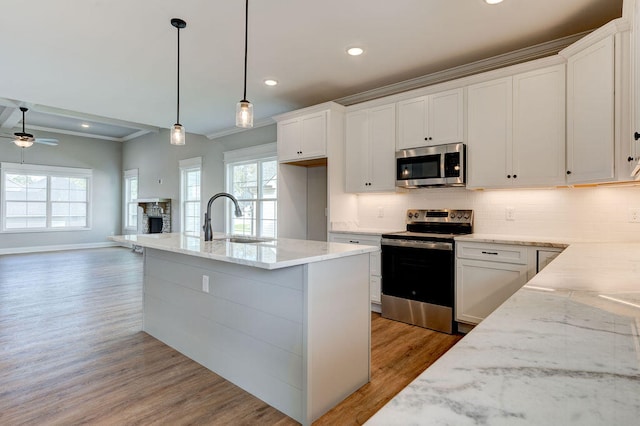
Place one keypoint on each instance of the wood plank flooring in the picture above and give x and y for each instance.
(72, 352)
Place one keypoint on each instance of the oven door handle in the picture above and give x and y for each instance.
(433, 245)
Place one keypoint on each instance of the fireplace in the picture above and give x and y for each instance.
(154, 215)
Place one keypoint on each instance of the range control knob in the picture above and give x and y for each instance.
(466, 216)
(410, 215)
(459, 215)
(452, 215)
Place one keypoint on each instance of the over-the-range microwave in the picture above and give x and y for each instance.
(437, 165)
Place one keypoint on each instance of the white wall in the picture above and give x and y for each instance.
(157, 161)
(104, 158)
(599, 213)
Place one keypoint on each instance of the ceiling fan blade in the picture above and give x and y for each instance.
(7, 136)
(44, 141)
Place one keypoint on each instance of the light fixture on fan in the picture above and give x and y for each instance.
(23, 139)
(177, 131)
(244, 108)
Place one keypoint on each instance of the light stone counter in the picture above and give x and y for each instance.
(524, 240)
(563, 350)
(275, 254)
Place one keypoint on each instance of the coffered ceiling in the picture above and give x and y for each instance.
(111, 64)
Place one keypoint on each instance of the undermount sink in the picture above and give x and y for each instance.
(244, 240)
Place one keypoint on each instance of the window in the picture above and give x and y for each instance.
(252, 177)
(44, 198)
(190, 171)
(130, 194)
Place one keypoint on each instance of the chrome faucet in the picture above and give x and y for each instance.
(208, 233)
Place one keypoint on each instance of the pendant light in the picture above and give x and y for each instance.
(244, 108)
(177, 131)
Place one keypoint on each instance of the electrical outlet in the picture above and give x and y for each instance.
(510, 213)
(634, 215)
(380, 211)
(205, 283)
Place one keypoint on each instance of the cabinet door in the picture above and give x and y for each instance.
(357, 151)
(382, 148)
(374, 289)
(590, 114)
(446, 123)
(489, 133)
(544, 257)
(412, 123)
(483, 286)
(289, 135)
(313, 142)
(539, 127)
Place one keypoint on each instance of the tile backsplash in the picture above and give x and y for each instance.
(594, 213)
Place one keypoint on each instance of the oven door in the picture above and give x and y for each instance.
(418, 283)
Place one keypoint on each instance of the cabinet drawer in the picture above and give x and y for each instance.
(365, 240)
(493, 252)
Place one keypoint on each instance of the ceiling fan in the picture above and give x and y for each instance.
(25, 140)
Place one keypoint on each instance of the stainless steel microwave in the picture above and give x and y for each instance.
(437, 165)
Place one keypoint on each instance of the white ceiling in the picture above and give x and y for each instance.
(116, 59)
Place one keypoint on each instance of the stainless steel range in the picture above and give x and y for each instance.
(418, 268)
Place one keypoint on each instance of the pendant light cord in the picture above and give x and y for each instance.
(246, 34)
(178, 85)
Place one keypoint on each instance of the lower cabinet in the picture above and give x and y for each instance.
(487, 274)
(375, 269)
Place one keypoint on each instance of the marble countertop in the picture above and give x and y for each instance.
(563, 350)
(274, 254)
(526, 240)
(366, 231)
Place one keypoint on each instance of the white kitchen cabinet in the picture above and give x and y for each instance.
(516, 130)
(590, 113)
(482, 286)
(431, 120)
(302, 138)
(544, 256)
(370, 149)
(375, 265)
(487, 274)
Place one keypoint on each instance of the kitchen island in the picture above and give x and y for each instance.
(563, 350)
(286, 320)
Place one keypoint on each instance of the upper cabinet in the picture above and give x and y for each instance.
(303, 138)
(431, 120)
(590, 113)
(370, 149)
(516, 130)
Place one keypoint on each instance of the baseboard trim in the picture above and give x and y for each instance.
(61, 247)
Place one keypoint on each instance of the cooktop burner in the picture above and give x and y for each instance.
(435, 225)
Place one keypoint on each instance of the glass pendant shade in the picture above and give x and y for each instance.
(244, 114)
(23, 143)
(177, 134)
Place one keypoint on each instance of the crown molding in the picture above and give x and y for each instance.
(500, 61)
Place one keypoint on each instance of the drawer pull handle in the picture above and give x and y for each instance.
(490, 252)
(354, 242)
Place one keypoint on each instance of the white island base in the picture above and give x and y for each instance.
(297, 337)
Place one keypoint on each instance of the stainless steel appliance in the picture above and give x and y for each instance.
(438, 165)
(418, 268)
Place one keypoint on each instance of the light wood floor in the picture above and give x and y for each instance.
(72, 352)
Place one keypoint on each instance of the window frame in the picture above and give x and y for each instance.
(256, 154)
(128, 176)
(49, 172)
(186, 166)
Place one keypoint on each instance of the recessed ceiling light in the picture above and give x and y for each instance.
(355, 51)
(270, 82)
(85, 125)
(492, 1)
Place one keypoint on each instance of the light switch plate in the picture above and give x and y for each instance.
(205, 283)
(634, 215)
